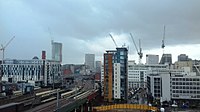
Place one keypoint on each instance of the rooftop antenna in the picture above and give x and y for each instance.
(163, 41)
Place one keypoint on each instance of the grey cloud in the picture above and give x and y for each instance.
(77, 21)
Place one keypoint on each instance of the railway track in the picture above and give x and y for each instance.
(51, 106)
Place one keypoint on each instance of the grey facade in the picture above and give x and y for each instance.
(166, 59)
(89, 61)
(183, 57)
(98, 66)
(152, 59)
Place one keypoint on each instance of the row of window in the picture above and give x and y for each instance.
(133, 77)
(185, 91)
(136, 71)
(185, 83)
(185, 79)
(185, 87)
(157, 95)
(179, 96)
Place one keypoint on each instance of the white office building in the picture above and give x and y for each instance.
(45, 71)
(158, 84)
(102, 74)
(185, 87)
(137, 74)
(174, 84)
(117, 82)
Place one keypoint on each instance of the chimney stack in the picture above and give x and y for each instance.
(43, 54)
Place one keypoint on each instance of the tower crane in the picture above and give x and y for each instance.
(163, 40)
(139, 52)
(4, 47)
(113, 40)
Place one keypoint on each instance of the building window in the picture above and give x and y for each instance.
(121, 53)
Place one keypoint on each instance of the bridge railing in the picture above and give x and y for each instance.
(124, 106)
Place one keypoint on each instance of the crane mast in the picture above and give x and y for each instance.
(113, 40)
(139, 52)
(4, 47)
(163, 41)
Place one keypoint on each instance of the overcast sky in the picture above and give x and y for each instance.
(83, 26)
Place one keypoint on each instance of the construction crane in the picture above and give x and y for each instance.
(163, 41)
(139, 52)
(4, 47)
(113, 40)
(197, 68)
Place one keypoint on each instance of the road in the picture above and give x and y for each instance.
(139, 97)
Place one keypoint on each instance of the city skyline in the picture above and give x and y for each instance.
(87, 30)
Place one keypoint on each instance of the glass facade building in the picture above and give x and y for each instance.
(57, 51)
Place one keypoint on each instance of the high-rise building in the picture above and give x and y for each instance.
(56, 51)
(98, 66)
(89, 61)
(115, 75)
(166, 59)
(152, 59)
(183, 57)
